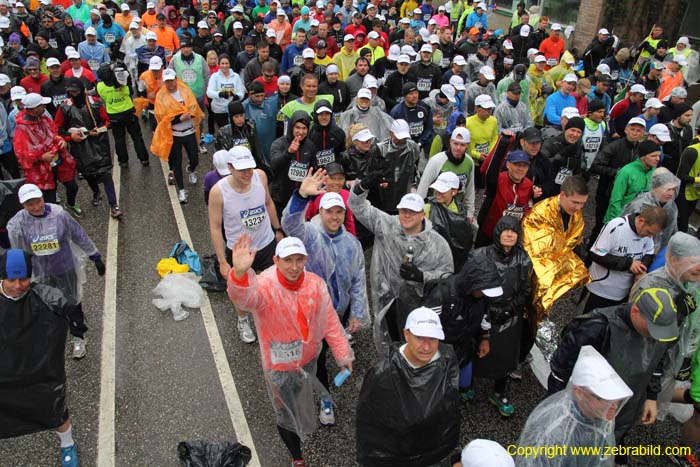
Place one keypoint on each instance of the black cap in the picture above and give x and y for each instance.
(160, 16)
(334, 168)
(258, 19)
(249, 41)
(235, 108)
(532, 135)
(321, 44)
(515, 88)
(256, 87)
(408, 88)
(357, 14)
(595, 105)
(483, 45)
(185, 42)
(576, 122)
(647, 147)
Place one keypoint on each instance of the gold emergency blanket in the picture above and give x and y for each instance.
(166, 109)
(557, 269)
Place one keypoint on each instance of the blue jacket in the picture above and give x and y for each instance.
(473, 18)
(265, 118)
(290, 52)
(555, 104)
(419, 119)
(338, 258)
(607, 100)
(108, 35)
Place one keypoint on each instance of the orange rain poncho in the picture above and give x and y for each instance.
(557, 269)
(166, 109)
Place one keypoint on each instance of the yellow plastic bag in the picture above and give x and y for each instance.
(170, 265)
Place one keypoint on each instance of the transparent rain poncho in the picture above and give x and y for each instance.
(581, 415)
(291, 325)
(338, 259)
(681, 277)
(59, 248)
(431, 254)
(664, 188)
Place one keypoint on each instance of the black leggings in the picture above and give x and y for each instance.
(292, 441)
(221, 120)
(321, 370)
(71, 193)
(189, 142)
(10, 164)
(123, 123)
(76, 321)
(499, 386)
(685, 209)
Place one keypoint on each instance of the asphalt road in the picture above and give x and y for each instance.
(168, 387)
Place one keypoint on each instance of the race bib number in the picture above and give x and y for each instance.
(189, 76)
(561, 176)
(462, 181)
(482, 148)
(58, 100)
(424, 84)
(241, 142)
(109, 37)
(325, 157)
(614, 75)
(514, 211)
(298, 60)
(416, 129)
(592, 143)
(552, 61)
(297, 171)
(45, 245)
(337, 118)
(168, 53)
(53, 43)
(444, 62)
(93, 64)
(253, 218)
(426, 18)
(280, 117)
(285, 352)
(228, 87)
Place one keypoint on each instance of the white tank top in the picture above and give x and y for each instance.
(246, 213)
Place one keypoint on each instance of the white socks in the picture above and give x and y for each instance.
(66, 437)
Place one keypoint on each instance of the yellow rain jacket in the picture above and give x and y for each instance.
(557, 269)
(166, 109)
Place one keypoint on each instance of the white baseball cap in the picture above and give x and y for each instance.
(4, 22)
(331, 199)
(271, 33)
(423, 321)
(151, 36)
(169, 74)
(461, 134)
(348, 37)
(403, 58)
(405, 21)
(237, 9)
(33, 100)
(524, 30)
(446, 181)
(4, 79)
(653, 103)
(280, 12)
(332, 68)
(324, 108)
(370, 82)
(484, 101)
(320, 4)
(202, 25)
(410, 51)
(125, 7)
(363, 135)
(604, 32)
(594, 373)
(17, 92)
(540, 59)
(417, 11)
(488, 73)
(220, 162)
(570, 112)
(394, 52)
(532, 51)
(308, 53)
(150, 5)
(457, 82)
(484, 452)
(373, 35)
(29, 191)
(660, 131)
(364, 93)
(556, 27)
(481, 5)
(241, 158)
(412, 202)
(426, 48)
(441, 8)
(290, 246)
(134, 25)
(459, 60)
(570, 78)
(603, 68)
(637, 121)
(90, 31)
(399, 128)
(237, 25)
(680, 59)
(508, 44)
(52, 61)
(314, 23)
(449, 92)
(155, 63)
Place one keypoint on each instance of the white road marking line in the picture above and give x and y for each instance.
(233, 401)
(105, 437)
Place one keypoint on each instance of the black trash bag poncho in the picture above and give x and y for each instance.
(406, 416)
(207, 454)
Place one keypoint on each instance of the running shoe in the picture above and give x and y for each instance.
(467, 394)
(298, 463)
(145, 163)
(505, 408)
(245, 331)
(192, 176)
(182, 196)
(171, 178)
(326, 415)
(115, 212)
(79, 349)
(203, 148)
(96, 199)
(69, 456)
(75, 210)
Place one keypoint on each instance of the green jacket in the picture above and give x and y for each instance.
(117, 100)
(630, 181)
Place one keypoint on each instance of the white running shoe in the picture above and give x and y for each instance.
(326, 415)
(182, 196)
(79, 350)
(192, 177)
(245, 331)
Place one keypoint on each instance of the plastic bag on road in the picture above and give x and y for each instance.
(185, 255)
(211, 277)
(178, 290)
(206, 454)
